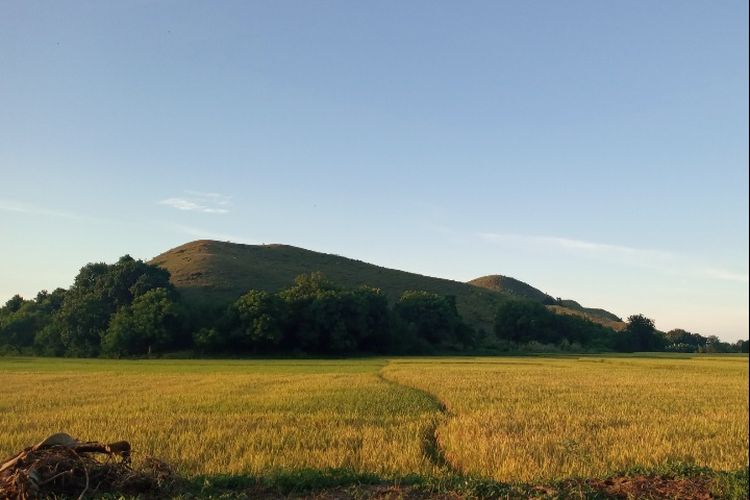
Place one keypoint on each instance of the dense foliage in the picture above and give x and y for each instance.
(130, 309)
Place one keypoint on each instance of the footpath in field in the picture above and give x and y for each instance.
(551, 419)
(431, 447)
(411, 428)
(259, 417)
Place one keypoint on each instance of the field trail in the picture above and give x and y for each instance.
(508, 419)
(431, 447)
(538, 419)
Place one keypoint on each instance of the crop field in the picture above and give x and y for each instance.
(513, 419)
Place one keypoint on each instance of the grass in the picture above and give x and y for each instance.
(541, 419)
(223, 417)
(476, 426)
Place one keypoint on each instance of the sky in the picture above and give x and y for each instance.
(596, 150)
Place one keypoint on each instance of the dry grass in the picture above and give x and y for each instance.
(534, 419)
(509, 419)
(223, 417)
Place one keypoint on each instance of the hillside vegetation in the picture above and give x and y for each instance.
(216, 272)
(602, 318)
(211, 298)
(513, 287)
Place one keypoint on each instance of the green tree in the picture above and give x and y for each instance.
(150, 325)
(18, 325)
(368, 318)
(261, 317)
(430, 316)
(310, 320)
(82, 320)
(524, 321)
(14, 304)
(742, 346)
(642, 333)
(100, 291)
(22, 320)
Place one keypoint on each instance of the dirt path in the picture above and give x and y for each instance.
(431, 447)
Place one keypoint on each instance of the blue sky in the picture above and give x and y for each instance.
(597, 150)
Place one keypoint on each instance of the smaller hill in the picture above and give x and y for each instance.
(517, 288)
(604, 320)
(600, 313)
(512, 286)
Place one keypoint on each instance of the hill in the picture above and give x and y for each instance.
(602, 318)
(514, 287)
(214, 272)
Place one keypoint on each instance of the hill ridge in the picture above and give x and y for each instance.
(518, 288)
(215, 272)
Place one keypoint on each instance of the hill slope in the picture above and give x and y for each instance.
(514, 287)
(511, 286)
(216, 272)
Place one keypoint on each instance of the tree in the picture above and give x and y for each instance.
(525, 321)
(99, 292)
(17, 328)
(14, 304)
(742, 346)
(432, 317)
(641, 332)
(261, 317)
(149, 325)
(82, 320)
(368, 318)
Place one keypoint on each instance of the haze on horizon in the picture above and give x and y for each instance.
(595, 150)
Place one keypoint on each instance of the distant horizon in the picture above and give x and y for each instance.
(595, 150)
(623, 316)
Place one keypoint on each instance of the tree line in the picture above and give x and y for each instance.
(130, 308)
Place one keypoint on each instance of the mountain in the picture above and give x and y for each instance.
(514, 287)
(511, 286)
(214, 272)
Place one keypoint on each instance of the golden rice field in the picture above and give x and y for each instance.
(544, 419)
(509, 419)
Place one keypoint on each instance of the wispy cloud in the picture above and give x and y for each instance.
(198, 201)
(721, 274)
(657, 260)
(32, 209)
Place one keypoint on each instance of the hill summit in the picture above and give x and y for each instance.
(511, 286)
(216, 273)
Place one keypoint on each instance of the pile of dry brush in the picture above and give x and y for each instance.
(63, 466)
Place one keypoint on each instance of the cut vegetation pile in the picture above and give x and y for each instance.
(61, 465)
(640, 486)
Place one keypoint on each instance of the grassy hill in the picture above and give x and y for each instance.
(514, 287)
(511, 286)
(592, 311)
(216, 272)
(615, 324)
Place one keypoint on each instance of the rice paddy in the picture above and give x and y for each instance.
(512, 419)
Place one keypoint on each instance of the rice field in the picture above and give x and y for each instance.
(546, 419)
(508, 419)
